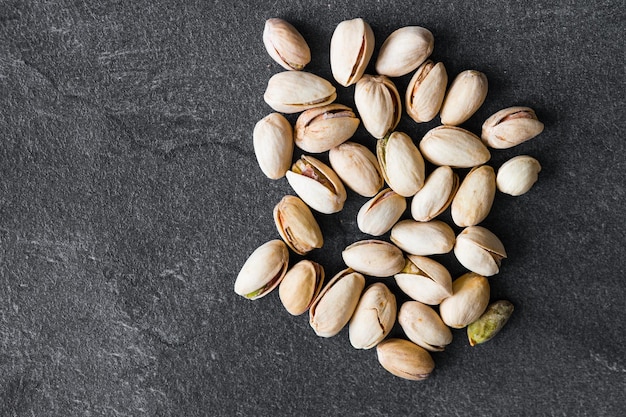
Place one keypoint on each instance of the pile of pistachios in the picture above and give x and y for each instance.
(325, 126)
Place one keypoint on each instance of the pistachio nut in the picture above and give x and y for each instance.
(272, 139)
(479, 250)
(378, 215)
(436, 194)
(351, 48)
(301, 284)
(425, 92)
(317, 185)
(423, 238)
(357, 167)
(401, 163)
(517, 175)
(404, 50)
(296, 91)
(490, 323)
(465, 95)
(474, 199)
(469, 300)
(378, 103)
(263, 270)
(375, 258)
(285, 44)
(510, 127)
(424, 280)
(297, 226)
(373, 318)
(405, 359)
(453, 146)
(322, 128)
(335, 304)
(423, 326)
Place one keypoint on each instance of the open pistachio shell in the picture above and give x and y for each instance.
(375, 258)
(317, 185)
(263, 270)
(479, 250)
(285, 44)
(296, 91)
(510, 127)
(297, 226)
(322, 128)
(423, 326)
(378, 215)
(426, 91)
(424, 280)
(357, 167)
(301, 284)
(469, 300)
(351, 48)
(373, 318)
(401, 163)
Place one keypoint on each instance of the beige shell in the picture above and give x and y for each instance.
(322, 128)
(472, 202)
(405, 359)
(296, 91)
(401, 163)
(453, 146)
(378, 215)
(517, 175)
(357, 167)
(510, 127)
(263, 270)
(378, 103)
(436, 194)
(425, 92)
(469, 301)
(351, 48)
(479, 250)
(272, 140)
(317, 185)
(423, 238)
(404, 50)
(296, 225)
(465, 95)
(375, 258)
(373, 318)
(301, 284)
(424, 280)
(423, 326)
(285, 44)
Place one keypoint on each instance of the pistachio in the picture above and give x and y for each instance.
(490, 323)
(322, 128)
(401, 163)
(469, 300)
(424, 280)
(404, 50)
(263, 270)
(423, 326)
(335, 304)
(296, 91)
(425, 92)
(474, 199)
(373, 318)
(285, 44)
(357, 167)
(374, 257)
(465, 95)
(351, 48)
(379, 214)
(423, 238)
(405, 359)
(453, 146)
(317, 185)
(510, 127)
(301, 284)
(479, 250)
(436, 194)
(378, 103)
(273, 145)
(297, 226)
(517, 175)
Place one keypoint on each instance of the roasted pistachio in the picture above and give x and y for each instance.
(436, 194)
(404, 50)
(357, 167)
(378, 103)
(263, 270)
(351, 48)
(510, 127)
(376, 258)
(423, 326)
(472, 202)
(405, 359)
(426, 91)
(273, 145)
(517, 175)
(322, 128)
(317, 185)
(301, 284)
(468, 301)
(285, 44)
(479, 250)
(453, 146)
(297, 226)
(296, 91)
(465, 95)
(423, 238)
(401, 163)
(378, 215)
(373, 318)
(424, 280)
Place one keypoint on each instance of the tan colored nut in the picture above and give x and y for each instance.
(378, 103)
(469, 301)
(453, 146)
(375, 258)
(405, 359)
(401, 163)
(423, 238)
(285, 44)
(425, 92)
(424, 280)
(351, 48)
(317, 185)
(297, 226)
(373, 318)
(263, 270)
(404, 50)
(517, 175)
(378, 215)
(322, 128)
(472, 202)
(272, 139)
(465, 95)
(479, 250)
(300, 286)
(436, 194)
(423, 326)
(296, 91)
(510, 127)
(357, 167)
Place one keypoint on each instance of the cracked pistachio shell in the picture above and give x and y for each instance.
(474, 199)
(263, 270)
(301, 284)
(272, 139)
(510, 127)
(490, 323)
(335, 304)
(378, 215)
(469, 300)
(378, 103)
(285, 44)
(465, 95)
(373, 318)
(424, 280)
(436, 194)
(317, 185)
(479, 250)
(404, 50)
(423, 238)
(453, 146)
(351, 48)
(517, 175)
(357, 167)
(425, 92)
(375, 258)
(322, 128)
(401, 163)
(405, 359)
(296, 225)
(296, 91)
(423, 326)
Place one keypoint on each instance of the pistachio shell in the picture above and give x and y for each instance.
(273, 145)
(322, 128)
(423, 238)
(510, 127)
(453, 146)
(424, 280)
(285, 44)
(479, 250)
(263, 270)
(296, 91)
(425, 92)
(317, 185)
(357, 167)
(490, 323)
(404, 50)
(474, 199)
(378, 103)
(469, 300)
(378, 215)
(351, 48)
(405, 359)
(374, 257)
(423, 326)
(436, 194)
(373, 318)
(297, 226)
(465, 95)
(401, 163)
(517, 175)
(301, 284)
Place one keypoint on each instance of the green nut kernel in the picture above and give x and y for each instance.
(490, 323)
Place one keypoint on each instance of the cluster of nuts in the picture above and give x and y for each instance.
(326, 126)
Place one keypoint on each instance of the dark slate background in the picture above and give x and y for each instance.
(130, 197)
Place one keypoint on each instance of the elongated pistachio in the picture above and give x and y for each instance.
(465, 95)
(490, 323)
(423, 326)
(357, 167)
(404, 50)
(405, 359)
(285, 44)
(479, 250)
(453, 146)
(426, 91)
(469, 300)
(474, 199)
(263, 270)
(424, 280)
(301, 284)
(322, 128)
(436, 194)
(517, 175)
(378, 215)
(317, 185)
(297, 226)
(376, 258)
(510, 127)
(296, 91)
(378, 103)
(373, 318)
(423, 238)
(351, 48)
(401, 163)
(273, 145)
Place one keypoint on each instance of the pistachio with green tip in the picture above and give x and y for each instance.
(322, 128)
(401, 163)
(424, 280)
(405, 359)
(479, 250)
(301, 284)
(373, 318)
(357, 167)
(263, 270)
(297, 226)
(378, 215)
(423, 326)
(375, 258)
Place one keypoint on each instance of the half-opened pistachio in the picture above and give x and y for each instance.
(376, 258)
(453, 146)
(263, 270)
(517, 175)
(297, 226)
(469, 300)
(424, 280)
(378, 103)
(272, 139)
(296, 91)
(285, 44)
(379, 214)
(301, 284)
(317, 185)
(425, 92)
(423, 238)
(404, 50)
(465, 95)
(401, 163)
(357, 167)
(474, 199)
(436, 194)
(373, 318)
(322, 128)
(510, 127)
(405, 359)
(479, 250)
(351, 48)
(490, 323)
(423, 326)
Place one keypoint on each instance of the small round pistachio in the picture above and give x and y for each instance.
(272, 139)
(424, 280)
(378, 215)
(322, 128)
(401, 163)
(375, 258)
(263, 270)
(351, 48)
(296, 91)
(404, 50)
(423, 326)
(490, 323)
(517, 175)
(423, 238)
(426, 91)
(465, 95)
(472, 202)
(479, 250)
(469, 300)
(378, 103)
(285, 44)
(405, 359)
(453, 146)
(297, 226)
(373, 318)
(357, 167)
(510, 127)
(301, 284)
(317, 185)
(436, 194)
